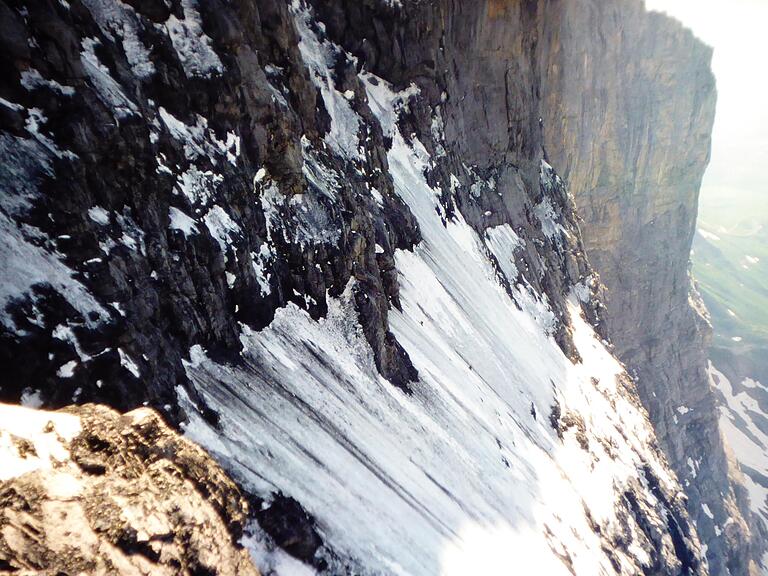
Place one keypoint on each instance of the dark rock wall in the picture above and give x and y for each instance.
(126, 131)
(205, 130)
(475, 66)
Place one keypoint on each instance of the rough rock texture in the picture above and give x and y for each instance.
(629, 100)
(170, 203)
(88, 490)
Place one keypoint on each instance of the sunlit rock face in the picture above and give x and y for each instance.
(87, 490)
(327, 240)
(630, 108)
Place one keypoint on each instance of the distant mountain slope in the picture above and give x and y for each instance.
(730, 263)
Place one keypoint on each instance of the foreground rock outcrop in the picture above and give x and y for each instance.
(88, 490)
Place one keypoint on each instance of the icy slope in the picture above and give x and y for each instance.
(468, 472)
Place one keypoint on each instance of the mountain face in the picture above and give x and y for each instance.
(334, 243)
(631, 116)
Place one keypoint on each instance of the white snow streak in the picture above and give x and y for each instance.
(319, 57)
(744, 428)
(180, 221)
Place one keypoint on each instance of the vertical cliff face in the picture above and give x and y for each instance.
(327, 240)
(630, 106)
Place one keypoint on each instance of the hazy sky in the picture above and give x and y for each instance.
(737, 31)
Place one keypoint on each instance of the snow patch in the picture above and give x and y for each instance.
(502, 241)
(108, 90)
(319, 57)
(223, 229)
(33, 124)
(30, 424)
(67, 370)
(198, 186)
(118, 20)
(545, 212)
(261, 261)
(98, 215)
(26, 265)
(180, 221)
(31, 79)
(192, 45)
(127, 362)
(31, 398)
(708, 235)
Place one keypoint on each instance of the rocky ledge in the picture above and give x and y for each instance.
(89, 490)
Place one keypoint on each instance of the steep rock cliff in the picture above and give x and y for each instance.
(630, 106)
(325, 240)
